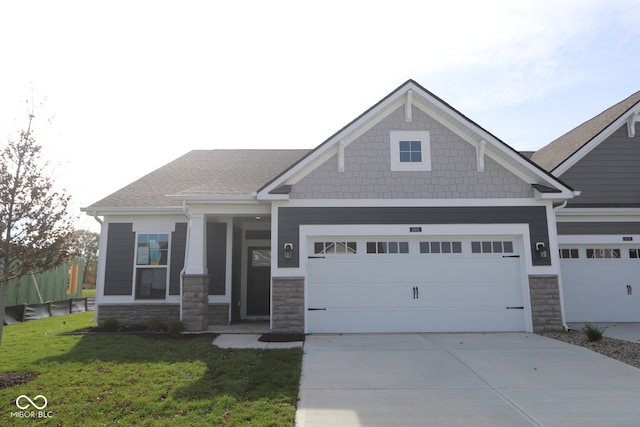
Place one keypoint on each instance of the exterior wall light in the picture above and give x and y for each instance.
(542, 250)
(288, 250)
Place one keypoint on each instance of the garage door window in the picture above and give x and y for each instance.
(440, 247)
(634, 253)
(387, 247)
(603, 253)
(569, 253)
(342, 248)
(492, 247)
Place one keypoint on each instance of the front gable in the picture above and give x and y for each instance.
(459, 158)
(449, 167)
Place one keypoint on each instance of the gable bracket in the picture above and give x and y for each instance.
(631, 125)
(407, 106)
(480, 148)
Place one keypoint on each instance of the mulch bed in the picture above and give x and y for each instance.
(12, 379)
(276, 337)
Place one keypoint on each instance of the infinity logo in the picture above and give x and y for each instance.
(31, 402)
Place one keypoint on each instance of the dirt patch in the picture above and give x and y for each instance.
(12, 379)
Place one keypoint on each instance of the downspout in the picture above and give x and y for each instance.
(185, 211)
(564, 323)
(96, 306)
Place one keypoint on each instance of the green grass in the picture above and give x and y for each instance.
(107, 379)
(89, 293)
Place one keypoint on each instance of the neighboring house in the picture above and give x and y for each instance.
(599, 232)
(410, 218)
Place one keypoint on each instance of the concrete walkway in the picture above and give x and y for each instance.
(501, 379)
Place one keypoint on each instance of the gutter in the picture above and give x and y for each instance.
(96, 306)
(564, 323)
(185, 211)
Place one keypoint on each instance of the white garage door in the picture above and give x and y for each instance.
(420, 285)
(601, 283)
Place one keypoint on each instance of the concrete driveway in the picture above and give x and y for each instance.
(496, 379)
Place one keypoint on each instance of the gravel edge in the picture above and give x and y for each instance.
(623, 351)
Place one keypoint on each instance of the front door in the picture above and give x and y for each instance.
(258, 281)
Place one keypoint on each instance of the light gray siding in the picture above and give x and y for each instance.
(368, 172)
(610, 174)
(290, 219)
(118, 276)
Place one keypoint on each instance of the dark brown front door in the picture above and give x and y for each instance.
(258, 281)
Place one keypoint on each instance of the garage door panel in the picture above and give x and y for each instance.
(601, 289)
(414, 292)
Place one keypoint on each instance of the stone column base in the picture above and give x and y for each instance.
(545, 303)
(195, 302)
(288, 304)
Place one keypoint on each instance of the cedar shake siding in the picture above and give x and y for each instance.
(367, 173)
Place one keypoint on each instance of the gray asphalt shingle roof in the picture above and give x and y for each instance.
(554, 154)
(203, 172)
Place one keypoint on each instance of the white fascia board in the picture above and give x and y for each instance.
(596, 239)
(597, 140)
(413, 202)
(330, 146)
(99, 211)
(563, 195)
(493, 148)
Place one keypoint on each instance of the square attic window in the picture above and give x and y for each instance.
(410, 151)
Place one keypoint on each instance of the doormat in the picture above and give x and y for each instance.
(281, 337)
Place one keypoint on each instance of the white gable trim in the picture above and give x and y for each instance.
(406, 96)
(629, 119)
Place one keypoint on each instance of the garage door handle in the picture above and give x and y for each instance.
(416, 293)
(629, 290)
(316, 309)
(515, 308)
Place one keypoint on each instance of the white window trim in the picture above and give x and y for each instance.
(406, 135)
(166, 267)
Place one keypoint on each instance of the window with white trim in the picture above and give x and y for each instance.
(387, 247)
(569, 253)
(603, 253)
(440, 247)
(410, 151)
(492, 247)
(152, 255)
(342, 248)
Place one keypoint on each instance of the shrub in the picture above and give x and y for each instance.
(176, 327)
(593, 332)
(155, 325)
(111, 325)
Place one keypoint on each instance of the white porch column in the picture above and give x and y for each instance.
(196, 250)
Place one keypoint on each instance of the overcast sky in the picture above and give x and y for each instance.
(132, 85)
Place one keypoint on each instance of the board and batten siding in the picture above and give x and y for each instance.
(609, 174)
(217, 257)
(121, 243)
(602, 228)
(367, 172)
(118, 276)
(291, 218)
(177, 254)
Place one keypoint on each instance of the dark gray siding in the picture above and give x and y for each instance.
(290, 219)
(609, 174)
(178, 249)
(217, 256)
(621, 228)
(118, 276)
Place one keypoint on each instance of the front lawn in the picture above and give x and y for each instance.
(107, 379)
